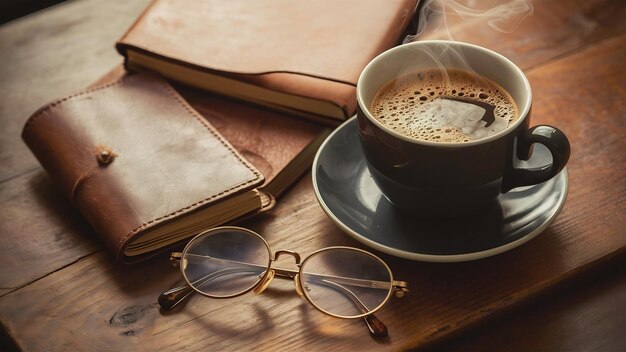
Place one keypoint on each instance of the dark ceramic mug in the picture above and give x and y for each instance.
(450, 179)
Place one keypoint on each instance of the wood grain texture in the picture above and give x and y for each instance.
(40, 231)
(590, 317)
(95, 303)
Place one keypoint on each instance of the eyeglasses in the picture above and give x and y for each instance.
(228, 261)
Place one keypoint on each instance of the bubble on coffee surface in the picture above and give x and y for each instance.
(438, 107)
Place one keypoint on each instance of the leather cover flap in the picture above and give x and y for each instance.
(133, 154)
(330, 39)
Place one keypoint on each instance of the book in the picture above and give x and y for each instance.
(147, 171)
(301, 57)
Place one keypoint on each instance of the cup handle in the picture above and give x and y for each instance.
(554, 140)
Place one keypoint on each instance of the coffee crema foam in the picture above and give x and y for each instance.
(456, 106)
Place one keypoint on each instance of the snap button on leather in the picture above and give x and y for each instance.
(105, 155)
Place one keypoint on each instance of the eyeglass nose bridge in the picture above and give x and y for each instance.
(269, 276)
(280, 252)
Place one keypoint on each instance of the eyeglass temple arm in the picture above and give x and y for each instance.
(376, 327)
(172, 297)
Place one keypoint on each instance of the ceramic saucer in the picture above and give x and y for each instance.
(349, 196)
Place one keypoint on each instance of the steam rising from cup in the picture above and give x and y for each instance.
(501, 15)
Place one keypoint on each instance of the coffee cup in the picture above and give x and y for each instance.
(460, 125)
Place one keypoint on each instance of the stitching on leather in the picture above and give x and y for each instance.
(190, 111)
(37, 114)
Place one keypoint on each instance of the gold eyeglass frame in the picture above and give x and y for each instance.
(172, 297)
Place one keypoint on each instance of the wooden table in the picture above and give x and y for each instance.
(564, 290)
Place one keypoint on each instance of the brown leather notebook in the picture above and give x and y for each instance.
(144, 168)
(303, 57)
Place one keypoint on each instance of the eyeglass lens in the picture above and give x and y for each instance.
(345, 282)
(225, 263)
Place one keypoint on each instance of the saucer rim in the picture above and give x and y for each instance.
(434, 258)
